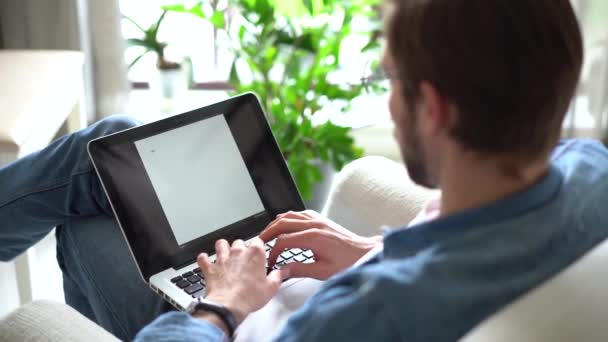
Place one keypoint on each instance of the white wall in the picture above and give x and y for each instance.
(9, 299)
(46, 277)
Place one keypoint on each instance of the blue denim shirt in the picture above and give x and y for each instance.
(437, 280)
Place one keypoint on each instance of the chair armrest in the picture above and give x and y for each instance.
(374, 191)
(571, 306)
(50, 321)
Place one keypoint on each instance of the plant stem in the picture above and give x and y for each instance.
(290, 59)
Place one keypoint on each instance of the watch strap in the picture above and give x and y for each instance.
(221, 311)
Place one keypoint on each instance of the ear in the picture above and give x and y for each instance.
(437, 109)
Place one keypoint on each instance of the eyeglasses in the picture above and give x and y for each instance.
(374, 75)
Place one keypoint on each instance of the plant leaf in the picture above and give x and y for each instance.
(217, 19)
(154, 28)
(196, 10)
(234, 76)
(137, 59)
(309, 6)
(134, 23)
(138, 42)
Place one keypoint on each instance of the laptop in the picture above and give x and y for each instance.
(178, 185)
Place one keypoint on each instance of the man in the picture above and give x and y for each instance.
(479, 90)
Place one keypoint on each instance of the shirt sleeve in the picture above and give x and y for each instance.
(352, 307)
(179, 326)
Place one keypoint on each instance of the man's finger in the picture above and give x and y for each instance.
(222, 250)
(276, 277)
(289, 214)
(286, 214)
(310, 213)
(238, 243)
(256, 250)
(306, 239)
(256, 242)
(203, 262)
(288, 225)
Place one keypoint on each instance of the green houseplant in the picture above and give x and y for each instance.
(287, 52)
(171, 77)
(150, 42)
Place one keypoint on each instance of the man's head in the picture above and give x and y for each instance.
(494, 77)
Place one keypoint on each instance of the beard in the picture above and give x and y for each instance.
(414, 160)
(412, 152)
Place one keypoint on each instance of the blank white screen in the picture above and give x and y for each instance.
(200, 179)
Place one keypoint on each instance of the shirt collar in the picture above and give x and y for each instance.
(407, 241)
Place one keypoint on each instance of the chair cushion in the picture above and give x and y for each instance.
(572, 306)
(374, 191)
(50, 321)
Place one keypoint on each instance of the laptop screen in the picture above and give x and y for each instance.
(197, 171)
(179, 184)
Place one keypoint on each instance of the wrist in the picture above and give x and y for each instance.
(215, 312)
(376, 240)
(372, 242)
(212, 318)
(239, 313)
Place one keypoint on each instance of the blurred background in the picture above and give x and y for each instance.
(305, 59)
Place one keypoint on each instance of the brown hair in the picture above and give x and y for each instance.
(509, 66)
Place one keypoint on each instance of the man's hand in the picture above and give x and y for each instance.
(334, 246)
(238, 277)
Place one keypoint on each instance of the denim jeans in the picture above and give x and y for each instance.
(57, 187)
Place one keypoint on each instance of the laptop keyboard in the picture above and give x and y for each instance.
(193, 281)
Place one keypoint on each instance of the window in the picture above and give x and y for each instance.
(588, 113)
(209, 50)
(185, 35)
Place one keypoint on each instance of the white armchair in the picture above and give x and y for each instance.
(369, 193)
(572, 306)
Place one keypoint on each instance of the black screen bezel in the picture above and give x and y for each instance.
(266, 185)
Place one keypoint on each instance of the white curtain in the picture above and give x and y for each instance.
(91, 26)
(589, 113)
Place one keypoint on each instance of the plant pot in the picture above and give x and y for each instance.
(321, 189)
(169, 84)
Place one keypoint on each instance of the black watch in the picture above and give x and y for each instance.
(221, 311)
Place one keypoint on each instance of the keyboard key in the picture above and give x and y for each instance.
(308, 253)
(309, 261)
(197, 270)
(198, 294)
(187, 274)
(193, 288)
(299, 258)
(183, 283)
(194, 279)
(286, 255)
(176, 279)
(295, 251)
